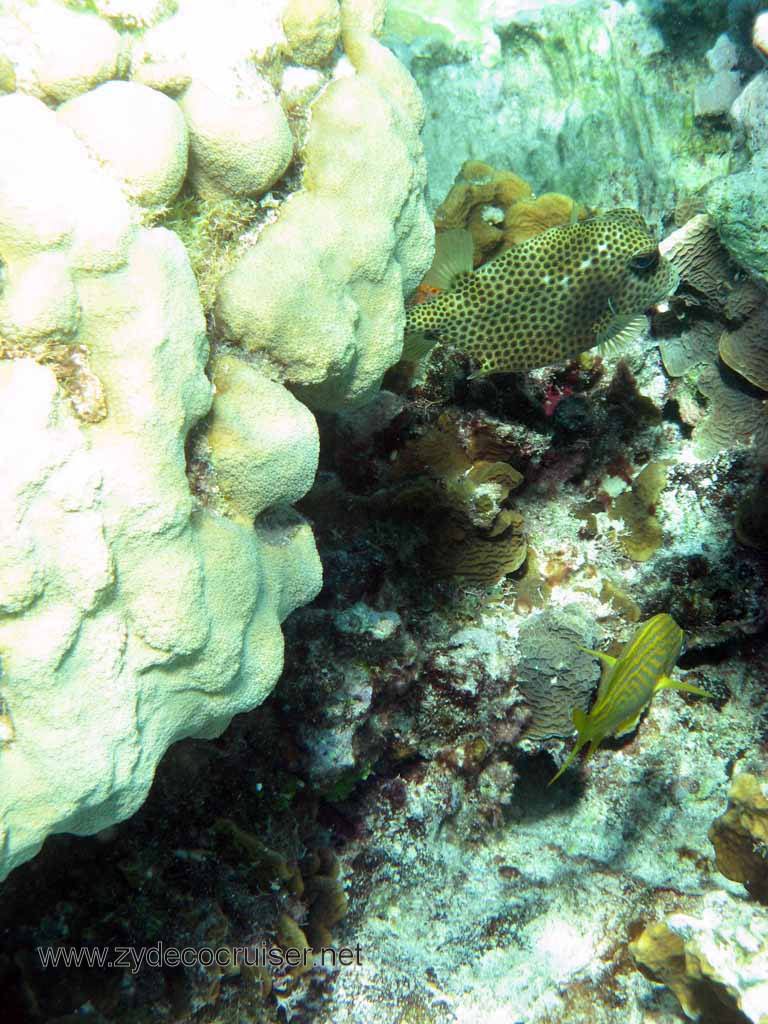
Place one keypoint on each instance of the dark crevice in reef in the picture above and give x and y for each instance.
(745, 647)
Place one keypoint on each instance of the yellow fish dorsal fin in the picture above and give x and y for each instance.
(454, 257)
(581, 721)
(667, 683)
(608, 659)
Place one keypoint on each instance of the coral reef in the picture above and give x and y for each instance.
(636, 508)
(715, 961)
(246, 472)
(714, 339)
(58, 53)
(363, 140)
(236, 148)
(108, 119)
(509, 94)
(714, 98)
(737, 206)
(499, 209)
(381, 811)
(475, 537)
(151, 554)
(550, 643)
(740, 836)
(113, 581)
(191, 877)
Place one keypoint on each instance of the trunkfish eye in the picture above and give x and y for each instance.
(648, 260)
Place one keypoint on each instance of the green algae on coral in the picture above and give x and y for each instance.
(212, 231)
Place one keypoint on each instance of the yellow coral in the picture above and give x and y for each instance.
(740, 836)
(478, 201)
(474, 537)
(530, 217)
(637, 507)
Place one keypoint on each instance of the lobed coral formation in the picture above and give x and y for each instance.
(139, 602)
(150, 551)
(363, 139)
(718, 341)
(499, 209)
(247, 474)
(107, 121)
(636, 507)
(740, 836)
(714, 960)
(474, 536)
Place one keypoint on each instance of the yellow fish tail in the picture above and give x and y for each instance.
(580, 721)
(566, 763)
(593, 745)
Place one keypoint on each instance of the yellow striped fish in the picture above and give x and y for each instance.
(629, 683)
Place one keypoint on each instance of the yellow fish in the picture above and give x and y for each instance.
(545, 300)
(629, 683)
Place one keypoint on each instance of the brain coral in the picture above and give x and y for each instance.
(718, 338)
(553, 672)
